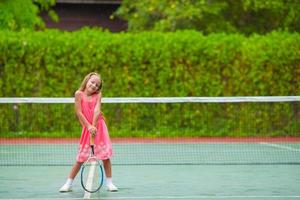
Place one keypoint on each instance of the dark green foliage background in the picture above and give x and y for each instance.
(53, 63)
(187, 63)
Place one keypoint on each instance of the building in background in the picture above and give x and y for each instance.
(75, 14)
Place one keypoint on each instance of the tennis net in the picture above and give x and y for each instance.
(157, 131)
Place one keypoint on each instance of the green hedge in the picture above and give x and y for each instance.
(53, 63)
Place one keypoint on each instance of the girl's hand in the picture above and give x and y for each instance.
(92, 130)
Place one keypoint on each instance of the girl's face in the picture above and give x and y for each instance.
(93, 84)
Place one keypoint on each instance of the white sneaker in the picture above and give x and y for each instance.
(111, 187)
(66, 188)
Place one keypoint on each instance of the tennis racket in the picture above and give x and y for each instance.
(92, 172)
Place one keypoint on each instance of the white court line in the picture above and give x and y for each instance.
(198, 197)
(174, 197)
(279, 146)
(89, 182)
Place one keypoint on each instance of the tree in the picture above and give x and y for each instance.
(245, 16)
(24, 14)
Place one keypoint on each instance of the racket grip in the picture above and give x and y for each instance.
(92, 140)
(92, 143)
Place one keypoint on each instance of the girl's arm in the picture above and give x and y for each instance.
(97, 111)
(78, 110)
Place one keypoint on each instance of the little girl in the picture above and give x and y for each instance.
(88, 111)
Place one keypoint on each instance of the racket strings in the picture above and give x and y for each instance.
(92, 176)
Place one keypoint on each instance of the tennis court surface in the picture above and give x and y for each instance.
(164, 169)
(179, 148)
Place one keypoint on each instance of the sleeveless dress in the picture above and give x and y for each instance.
(102, 143)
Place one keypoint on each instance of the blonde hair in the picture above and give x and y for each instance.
(87, 78)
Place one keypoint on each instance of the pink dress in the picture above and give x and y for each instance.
(102, 143)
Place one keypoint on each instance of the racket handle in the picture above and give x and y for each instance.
(92, 140)
(93, 152)
(92, 144)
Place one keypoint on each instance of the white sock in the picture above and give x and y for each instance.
(69, 181)
(108, 181)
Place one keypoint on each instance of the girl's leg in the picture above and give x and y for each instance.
(67, 187)
(75, 169)
(107, 167)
